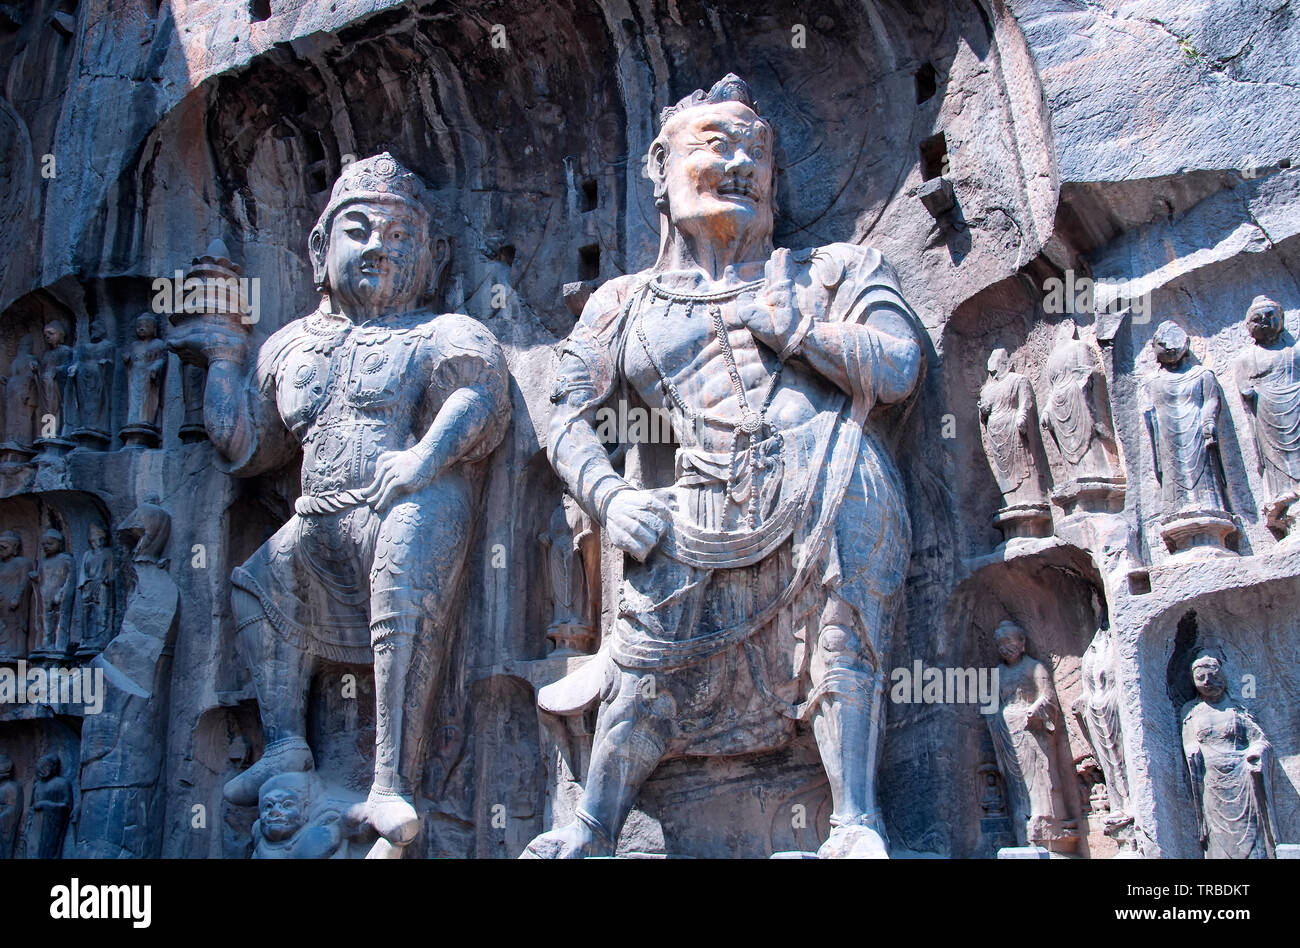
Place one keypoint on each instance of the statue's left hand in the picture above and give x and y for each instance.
(398, 473)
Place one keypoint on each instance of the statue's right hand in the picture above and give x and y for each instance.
(635, 520)
(199, 341)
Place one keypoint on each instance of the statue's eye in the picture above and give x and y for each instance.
(356, 232)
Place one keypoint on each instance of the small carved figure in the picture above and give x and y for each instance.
(53, 378)
(1098, 708)
(11, 807)
(51, 809)
(146, 369)
(292, 823)
(192, 381)
(147, 529)
(1075, 412)
(90, 389)
(1230, 763)
(96, 585)
(56, 589)
(1026, 732)
(994, 801)
(21, 403)
(573, 557)
(1268, 377)
(1182, 415)
(15, 597)
(1006, 408)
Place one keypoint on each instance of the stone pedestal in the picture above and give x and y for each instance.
(54, 447)
(1024, 520)
(1198, 535)
(1092, 495)
(140, 436)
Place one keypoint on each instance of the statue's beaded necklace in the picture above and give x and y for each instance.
(751, 421)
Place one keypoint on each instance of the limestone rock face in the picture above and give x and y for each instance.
(1040, 178)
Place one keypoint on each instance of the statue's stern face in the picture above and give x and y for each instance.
(718, 170)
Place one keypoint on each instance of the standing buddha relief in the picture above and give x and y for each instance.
(1268, 378)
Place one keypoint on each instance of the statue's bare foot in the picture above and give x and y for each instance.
(291, 755)
(575, 841)
(854, 841)
(393, 816)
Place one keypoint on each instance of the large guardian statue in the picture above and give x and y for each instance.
(394, 408)
(760, 581)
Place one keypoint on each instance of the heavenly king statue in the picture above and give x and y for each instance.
(760, 582)
(393, 407)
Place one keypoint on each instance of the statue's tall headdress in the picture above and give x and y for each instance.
(730, 88)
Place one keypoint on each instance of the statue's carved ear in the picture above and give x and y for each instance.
(317, 244)
(657, 168)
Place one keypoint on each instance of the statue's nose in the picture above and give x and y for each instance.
(375, 246)
(741, 163)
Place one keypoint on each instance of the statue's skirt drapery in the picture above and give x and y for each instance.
(324, 578)
(736, 688)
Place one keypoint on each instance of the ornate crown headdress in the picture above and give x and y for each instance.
(379, 178)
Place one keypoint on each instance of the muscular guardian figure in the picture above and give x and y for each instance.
(760, 584)
(393, 406)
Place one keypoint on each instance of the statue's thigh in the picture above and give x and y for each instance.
(421, 544)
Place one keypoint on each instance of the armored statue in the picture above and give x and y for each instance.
(96, 588)
(51, 809)
(1268, 377)
(55, 592)
(52, 379)
(394, 408)
(572, 545)
(294, 822)
(90, 389)
(15, 597)
(146, 371)
(785, 518)
(11, 807)
(1182, 415)
(1098, 708)
(1027, 732)
(21, 402)
(1230, 762)
(1075, 413)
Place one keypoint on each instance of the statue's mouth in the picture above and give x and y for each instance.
(737, 189)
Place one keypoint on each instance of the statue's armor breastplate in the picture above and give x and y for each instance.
(350, 400)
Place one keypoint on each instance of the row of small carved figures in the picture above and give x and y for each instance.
(38, 601)
(64, 397)
(1181, 412)
(48, 813)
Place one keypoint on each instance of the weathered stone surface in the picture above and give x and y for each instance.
(1145, 146)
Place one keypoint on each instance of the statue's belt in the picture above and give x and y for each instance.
(702, 548)
(328, 502)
